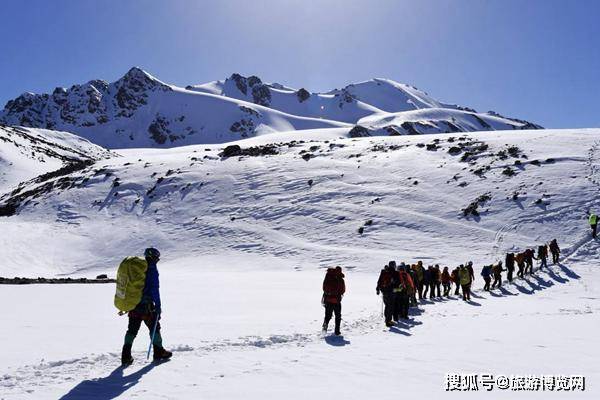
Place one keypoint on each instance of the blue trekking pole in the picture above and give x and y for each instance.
(152, 337)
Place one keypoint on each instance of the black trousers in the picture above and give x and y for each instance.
(457, 290)
(521, 268)
(388, 303)
(466, 291)
(555, 257)
(400, 306)
(487, 283)
(509, 275)
(135, 322)
(330, 309)
(497, 281)
(447, 289)
(594, 226)
(543, 262)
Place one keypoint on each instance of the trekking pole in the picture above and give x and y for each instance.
(152, 337)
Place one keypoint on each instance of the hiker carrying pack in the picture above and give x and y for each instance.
(497, 273)
(334, 288)
(446, 279)
(529, 257)
(520, 260)
(385, 287)
(419, 272)
(593, 221)
(486, 273)
(465, 282)
(403, 289)
(456, 279)
(555, 250)
(138, 295)
(542, 255)
(510, 266)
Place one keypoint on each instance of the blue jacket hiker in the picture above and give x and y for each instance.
(148, 311)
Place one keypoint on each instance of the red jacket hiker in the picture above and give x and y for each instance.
(334, 286)
(333, 290)
(385, 281)
(446, 276)
(407, 281)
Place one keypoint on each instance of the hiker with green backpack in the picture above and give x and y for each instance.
(138, 295)
(593, 221)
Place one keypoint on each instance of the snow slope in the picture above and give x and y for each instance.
(245, 240)
(139, 110)
(26, 153)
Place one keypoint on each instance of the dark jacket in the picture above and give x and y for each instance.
(151, 293)
(385, 281)
(334, 286)
(486, 271)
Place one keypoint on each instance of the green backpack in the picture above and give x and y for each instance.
(131, 278)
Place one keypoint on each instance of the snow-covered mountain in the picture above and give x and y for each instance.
(139, 110)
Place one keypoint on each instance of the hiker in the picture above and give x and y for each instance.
(426, 281)
(438, 280)
(404, 287)
(529, 256)
(520, 260)
(593, 221)
(497, 272)
(510, 266)
(413, 277)
(486, 273)
(446, 279)
(555, 250)
(432, 281)
(456, 279)
(465, 282)
(542, 255)
(419, 271)
(471, 271)
(148, 310)
(334, 288)
(384, 286)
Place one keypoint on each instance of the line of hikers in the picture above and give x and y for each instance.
(400, 285)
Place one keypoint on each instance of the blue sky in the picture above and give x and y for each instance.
(537, 60)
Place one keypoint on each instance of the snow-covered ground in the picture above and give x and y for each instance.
(244, 243)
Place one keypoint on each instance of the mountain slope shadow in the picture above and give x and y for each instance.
(109, 387)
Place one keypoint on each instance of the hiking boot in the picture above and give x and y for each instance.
(161, 354)
(389, 323)
(337, 332)
(324, 327)
(126, 358)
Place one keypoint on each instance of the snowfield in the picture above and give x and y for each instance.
(245, 243)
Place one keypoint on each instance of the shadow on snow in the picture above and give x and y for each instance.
(109, 387)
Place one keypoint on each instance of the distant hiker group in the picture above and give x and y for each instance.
(401, 285)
